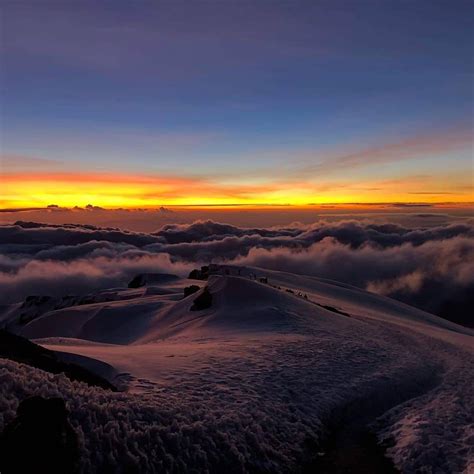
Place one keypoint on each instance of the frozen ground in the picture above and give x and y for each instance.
(259, 380)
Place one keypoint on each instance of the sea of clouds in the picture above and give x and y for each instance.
(429, 267)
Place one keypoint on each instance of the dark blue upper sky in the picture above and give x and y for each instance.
(236, 88)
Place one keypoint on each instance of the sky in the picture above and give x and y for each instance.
(240, 104)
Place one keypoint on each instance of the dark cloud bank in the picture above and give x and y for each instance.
(431, 268)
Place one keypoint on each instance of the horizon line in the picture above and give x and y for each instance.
(164, 207)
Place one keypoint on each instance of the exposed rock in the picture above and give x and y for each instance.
(203, 301)
(196, 275)
(204, 272)
(189, 290)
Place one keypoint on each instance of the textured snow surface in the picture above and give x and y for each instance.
(435, 432)
(254, 382)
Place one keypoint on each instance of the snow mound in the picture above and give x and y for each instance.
(14, 316)
(119, 322)
(351, 299)
(239, 306)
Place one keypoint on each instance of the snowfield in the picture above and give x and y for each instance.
(256, 382)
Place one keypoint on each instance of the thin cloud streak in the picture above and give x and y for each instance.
(422, 146)
(13, 162)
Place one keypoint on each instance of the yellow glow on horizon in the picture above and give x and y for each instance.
(23, 190)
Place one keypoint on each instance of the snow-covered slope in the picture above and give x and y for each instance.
(256, 380)
(241, 304)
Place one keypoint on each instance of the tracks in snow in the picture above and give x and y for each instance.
(351, 445)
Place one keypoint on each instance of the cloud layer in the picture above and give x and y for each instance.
(429, 267)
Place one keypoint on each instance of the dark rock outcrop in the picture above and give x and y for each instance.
(204, 272)
(189, 290)
(203, 301)
(40, 439)
(197, 274)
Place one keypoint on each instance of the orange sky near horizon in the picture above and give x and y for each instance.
(431, 167)
(25, 190)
